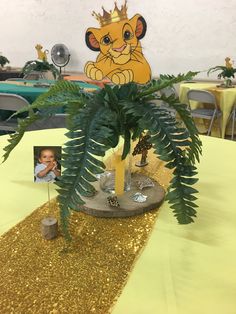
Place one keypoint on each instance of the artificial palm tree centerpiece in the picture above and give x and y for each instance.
(3, 61)
(95, 123)
(227, 72)
(40, 66)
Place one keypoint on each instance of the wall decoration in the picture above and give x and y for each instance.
(120, 52)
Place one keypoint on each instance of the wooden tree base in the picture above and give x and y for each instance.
(49, 228)
(99, 207)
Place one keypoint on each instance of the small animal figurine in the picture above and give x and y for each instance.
(142, 148)
(228, 63)
(120, 51)
(42, 55)
(112, 201)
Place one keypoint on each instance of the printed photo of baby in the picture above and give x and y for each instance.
(46, 165)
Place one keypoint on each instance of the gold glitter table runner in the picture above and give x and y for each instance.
(40, 276)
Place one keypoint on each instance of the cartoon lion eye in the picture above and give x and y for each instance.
(106, 40)
(127, 35)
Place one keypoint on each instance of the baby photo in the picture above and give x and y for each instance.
(46, 165)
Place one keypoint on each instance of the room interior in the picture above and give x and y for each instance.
(109, 250)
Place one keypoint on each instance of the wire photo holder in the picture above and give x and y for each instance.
(47, 169)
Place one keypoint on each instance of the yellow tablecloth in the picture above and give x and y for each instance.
(183, 269)
(191, 269)
(226, 98)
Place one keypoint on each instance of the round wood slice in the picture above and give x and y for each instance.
(98, 205)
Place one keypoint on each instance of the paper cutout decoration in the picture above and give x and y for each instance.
(42, 55)
(228, 63)
(120, 52)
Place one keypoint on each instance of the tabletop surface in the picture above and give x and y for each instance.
(184, 268)
(214, 86)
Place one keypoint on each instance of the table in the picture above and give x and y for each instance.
(225, 97)
(27, 89)
(83, 78)
(5, 74)
(183, 269)
(191, 269)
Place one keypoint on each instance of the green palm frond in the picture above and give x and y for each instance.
(64, 94)
(194, 151)
(58, 96)
(164, 81)
(168, 141)
(16, 137)
(89, 131)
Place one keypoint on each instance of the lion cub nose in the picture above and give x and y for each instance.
(120, 49)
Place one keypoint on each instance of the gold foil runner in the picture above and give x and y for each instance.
(40, 276)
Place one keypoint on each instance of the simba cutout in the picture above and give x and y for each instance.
(118, 40)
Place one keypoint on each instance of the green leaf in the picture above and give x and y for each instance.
(111, 94)
(166, 137)
(127, 144)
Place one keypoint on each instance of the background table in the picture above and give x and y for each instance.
(6, 74)
(225, 97)
(184, 269)
(27, 89)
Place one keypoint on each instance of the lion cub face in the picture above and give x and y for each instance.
(117, 40)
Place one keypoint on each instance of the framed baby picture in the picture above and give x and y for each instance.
(47, 167)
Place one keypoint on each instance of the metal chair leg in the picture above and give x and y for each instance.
(211, 123)
(219, 121)
(233, 121)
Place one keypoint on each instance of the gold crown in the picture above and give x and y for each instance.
(111, 17)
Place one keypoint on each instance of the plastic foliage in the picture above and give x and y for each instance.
(40, 66)
(3, 61)
(95, 122)
(227, 71)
